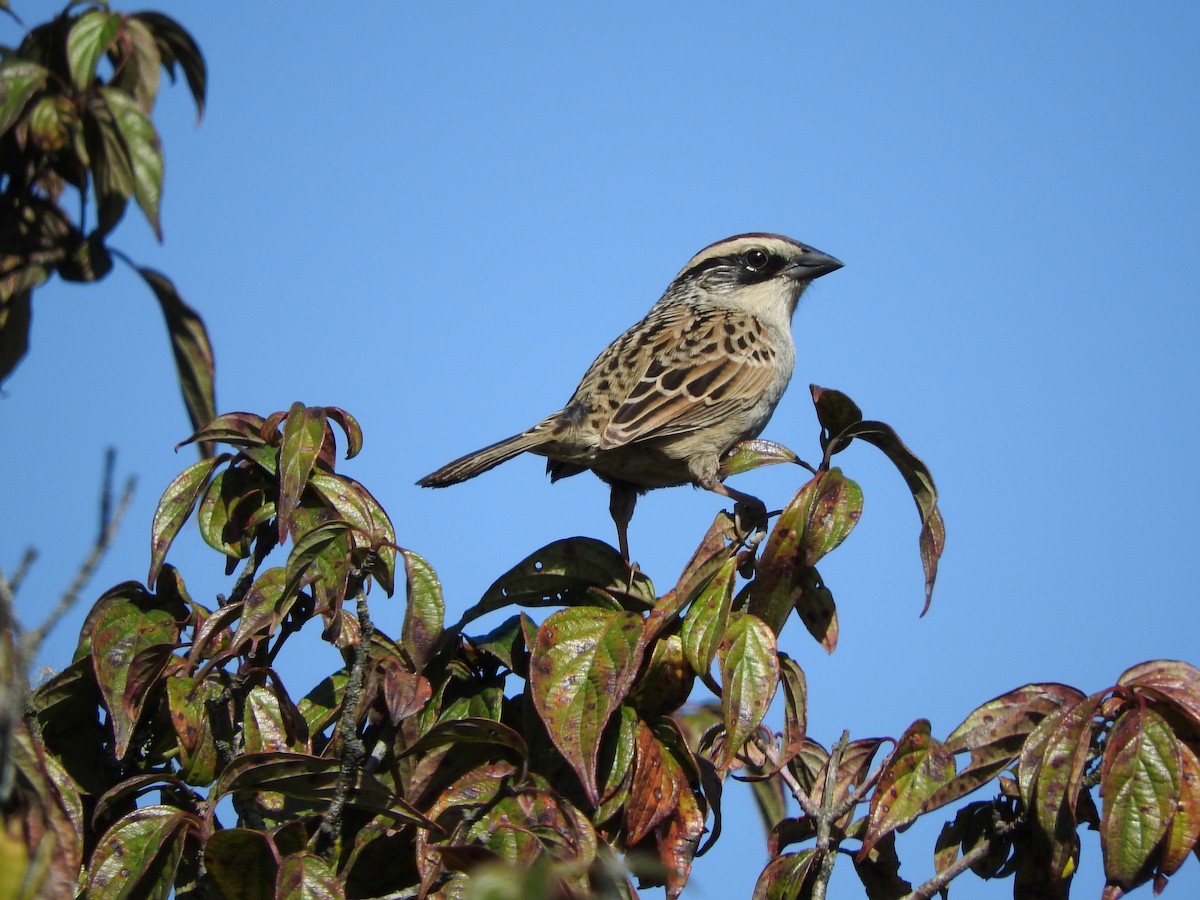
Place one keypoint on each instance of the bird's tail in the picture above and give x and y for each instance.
(481, 460)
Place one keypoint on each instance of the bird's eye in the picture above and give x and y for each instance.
(755, 260)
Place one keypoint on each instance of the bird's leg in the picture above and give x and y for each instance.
(749, 513)
(620, 505)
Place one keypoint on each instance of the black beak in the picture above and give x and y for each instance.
(813, 264)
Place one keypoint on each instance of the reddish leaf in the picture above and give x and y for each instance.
(374, 530)
(123, 624)
(354, 435)
(424, 614)
(666, 680)
(657, 783)
(582, 664)
(1140, 784)
(266, 603)
(818, 518)
(177, 503)
(139, 854)
(175, 45)
(1064, 756)
(678, 839)
(918, 766)
(1182, 836)
(193, 707)
(1178, 683)
(749, 678)
(241, 429)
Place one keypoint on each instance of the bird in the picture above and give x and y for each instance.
(664, 402)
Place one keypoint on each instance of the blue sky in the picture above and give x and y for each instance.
(436, 215)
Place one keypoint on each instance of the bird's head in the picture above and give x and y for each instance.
(765, 274)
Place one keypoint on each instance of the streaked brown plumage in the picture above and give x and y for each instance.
(663, 403)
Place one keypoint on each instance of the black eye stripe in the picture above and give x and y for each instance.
(739, 266)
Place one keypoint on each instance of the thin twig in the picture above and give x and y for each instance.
(32, 641)
(826, 817)
(943, 878)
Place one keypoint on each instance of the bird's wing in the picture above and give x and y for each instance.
(700, 368)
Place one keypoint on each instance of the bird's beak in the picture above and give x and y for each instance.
(812, 264)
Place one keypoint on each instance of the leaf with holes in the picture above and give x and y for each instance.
(582, 664)
(749, 678)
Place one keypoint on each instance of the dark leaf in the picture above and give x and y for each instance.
(242, 863)
(144, 152)
(303, 436)
(788, 877)
(15, 317)
(424, 614)
(194, 365)
(176, 45)
(139, 855)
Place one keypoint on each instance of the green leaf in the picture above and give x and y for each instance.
(242, 863)
(582, 665)
(303, 435)
(308, 550)
(354, 503)
(1140, 785)
(424, 614)
(749, 678)
(143, 150)
(788, 877)
(20, 80)
(139, 855)
(89, 39)
(307, 876)
(564, 573)
(706, 621)
(267, 602)
(191, 707)
(745, 456)
(176, 504)
(137, 71)
(918, 766)
(817, 520)
(194, 363)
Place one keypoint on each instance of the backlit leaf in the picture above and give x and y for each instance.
(918, 766)
(582, 664)
(89, 39)
(749, 678)
(706, 620)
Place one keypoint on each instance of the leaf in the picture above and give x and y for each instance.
(242, 863)
(144, 152)
(16, 314)
(267, 602)
(124, 623)
(194, 363)
(666, 680)
(563, 573)
(749, 678)
(20, 80)
(582, 664)
(303, 435)
(191, 706)
(841, 422)
(658, 780)
(354, 503)
(1182, 836)
(788, 877)
(139, 855)
(354, 436)
(89, 39)
(1140, 785)
(307, 876)
(1176, 683)
(705, 623)
(745, 456)
(820, 516)
(424, 614)
(137, 71)
(176, 45)
(176, 504)
(918, 766)
(1064, 758)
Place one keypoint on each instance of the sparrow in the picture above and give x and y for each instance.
(665, 401)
